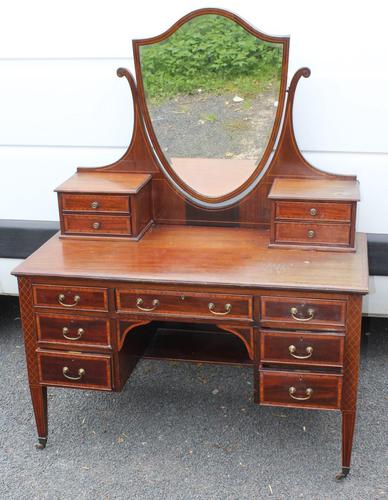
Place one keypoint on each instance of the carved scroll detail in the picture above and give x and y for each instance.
(125, 327)
(244, 333)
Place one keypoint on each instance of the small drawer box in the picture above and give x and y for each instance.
(75, 298)
(97, 224)
(307, 233)
(105, 205)
(300, 389)
(314, 213)
(301, 348)
(82, 371)
(95, 203)
(302, 313)
(73, 330)
(211, 306)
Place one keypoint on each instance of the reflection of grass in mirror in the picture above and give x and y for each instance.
(236, 124)
(213, 54)
(209, 117)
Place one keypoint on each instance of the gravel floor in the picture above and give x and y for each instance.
(181, 431)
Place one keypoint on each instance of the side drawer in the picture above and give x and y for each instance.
(302, 312)
(312, 233)
(83, 371)
(73, 330)
(301, 348)
(300, 390)
(95, 203)
(76, 298)
(313, 211)
(215, 306)
(97, 224)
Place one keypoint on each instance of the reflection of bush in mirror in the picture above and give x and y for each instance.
(211, 53)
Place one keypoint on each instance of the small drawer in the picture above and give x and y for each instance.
(95, 203)
(83, 371)
(314, 211)
(76, 298)
(215, 306)
(97, 224)
(299, 348)
(74, 330)
(302, 312)
(312, 234)
(300, 389)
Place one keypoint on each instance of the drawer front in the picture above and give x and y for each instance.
(97, 224)
(312, 234)
(215, 306)
(74, 330)
(82, 371)
(310, 210)
(298, 389)
(302, 312)
(75, 298)
(301, 348)
(95, 203)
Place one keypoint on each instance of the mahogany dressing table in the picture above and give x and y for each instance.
(213, 220)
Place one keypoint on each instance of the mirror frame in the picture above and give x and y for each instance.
(174, 178)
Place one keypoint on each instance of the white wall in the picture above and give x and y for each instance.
(62, 105)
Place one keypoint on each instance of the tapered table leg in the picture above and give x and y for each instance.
(348, 421)
(39, 403)
(350, 381)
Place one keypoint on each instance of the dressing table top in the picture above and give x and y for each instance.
(204, 256)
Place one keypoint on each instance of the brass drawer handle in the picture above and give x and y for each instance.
(65, 332)
(310, 233)
(66, 370)
(140, 302)
(61, 298)
(313, 211)
(94, 204)
(212, 307)
(96, 225)
(294, 312)
(292, 391)
(292, 350)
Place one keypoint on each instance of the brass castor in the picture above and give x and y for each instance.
(42, 443)
(343, 474)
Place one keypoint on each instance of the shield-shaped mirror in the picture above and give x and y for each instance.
(212, 89)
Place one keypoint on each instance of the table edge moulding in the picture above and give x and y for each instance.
(270, 277)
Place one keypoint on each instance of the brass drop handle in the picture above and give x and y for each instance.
(65, 332)
(212, 307)
(94, 204)
(140, 302)
(96, 225)
(308, 392)
(294, 312)
(311, 233)
(292, 351)
(66, 370)
(61, 298)
(313, 211)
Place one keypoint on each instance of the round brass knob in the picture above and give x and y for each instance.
(96, 225)
(94, 204)
(310, 233)
(313, 211)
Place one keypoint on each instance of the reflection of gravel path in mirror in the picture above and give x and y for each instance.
(214, 126)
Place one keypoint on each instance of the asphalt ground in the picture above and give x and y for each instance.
(185, 431)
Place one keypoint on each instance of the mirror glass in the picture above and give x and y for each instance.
(212, 90)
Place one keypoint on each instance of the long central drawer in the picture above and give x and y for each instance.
(215, 306)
